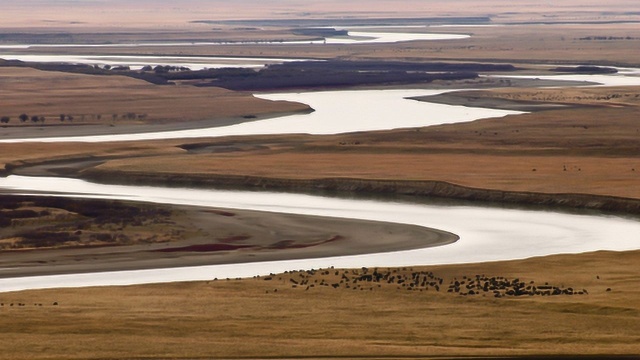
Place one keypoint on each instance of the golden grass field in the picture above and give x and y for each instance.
(611, 96)
(108, 100)
(590, 148)
(588, 151)
(250, 319)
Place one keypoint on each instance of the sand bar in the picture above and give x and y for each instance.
(214, 236)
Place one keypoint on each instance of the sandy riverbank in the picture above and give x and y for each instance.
(204, 236)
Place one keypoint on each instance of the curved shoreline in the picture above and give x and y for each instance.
(83, 168)
(438, 189)
(26, 134)
(427, 188)
(226, 237)
(487, 233)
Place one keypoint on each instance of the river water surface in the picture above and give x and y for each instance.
(486, 233)
(335, 112)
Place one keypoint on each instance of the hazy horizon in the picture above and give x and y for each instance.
(161, 13)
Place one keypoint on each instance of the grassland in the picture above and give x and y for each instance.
(568, 97)
(262, 318)
(590, 147)
(115, 100)
(586, 151)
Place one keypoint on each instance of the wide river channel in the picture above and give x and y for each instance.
(486, 233)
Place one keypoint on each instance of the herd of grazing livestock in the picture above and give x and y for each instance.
(407, 279)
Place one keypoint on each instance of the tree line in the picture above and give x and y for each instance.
(24, 118)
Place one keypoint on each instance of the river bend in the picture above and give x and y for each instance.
(486, 233)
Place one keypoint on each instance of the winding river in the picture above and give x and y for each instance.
(486, 233)
(335, 112)
(359, 36)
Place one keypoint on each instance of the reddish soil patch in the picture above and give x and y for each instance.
(291, 244)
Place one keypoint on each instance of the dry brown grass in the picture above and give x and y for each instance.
(37, 152)
(86, 97)
(240, 319)
(587, 175)
(590, 151)
(609, 96)
(248, 319)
